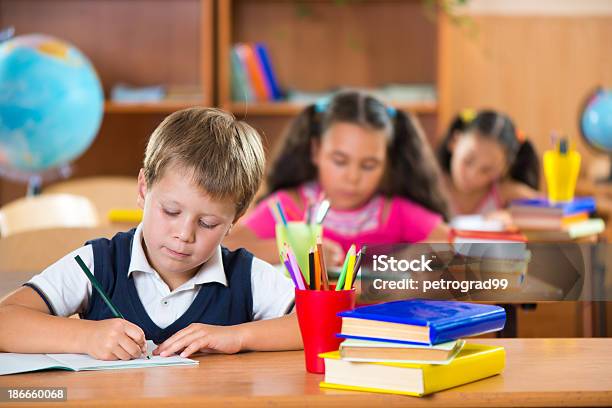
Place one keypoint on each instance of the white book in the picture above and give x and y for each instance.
(383, 351)
(13, 363)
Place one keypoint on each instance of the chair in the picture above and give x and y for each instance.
(47, 211)
(105, 192)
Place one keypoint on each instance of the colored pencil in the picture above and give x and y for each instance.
(350, 270)
(324, 277)
(317, 268)
(358, 263)
(282, 213)
(322, 211)
(274, 212)
(311, 269)
(342, 277)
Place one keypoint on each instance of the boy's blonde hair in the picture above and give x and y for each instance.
(225, 155)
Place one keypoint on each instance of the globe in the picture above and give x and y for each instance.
(596, 120)
(51, 104)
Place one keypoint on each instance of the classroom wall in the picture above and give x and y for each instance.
(535, 60)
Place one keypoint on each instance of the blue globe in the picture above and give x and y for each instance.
(596, 120)
(51, 104)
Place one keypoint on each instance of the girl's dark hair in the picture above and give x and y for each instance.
(412, 172)
(522, 158)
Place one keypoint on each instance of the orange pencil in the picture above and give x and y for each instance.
(324, 277)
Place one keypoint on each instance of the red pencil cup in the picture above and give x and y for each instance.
(317, 314)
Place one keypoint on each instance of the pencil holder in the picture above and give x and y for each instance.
(561, 172)
(301, 237)
(317, 315)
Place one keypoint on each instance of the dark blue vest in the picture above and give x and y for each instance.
(214, 304)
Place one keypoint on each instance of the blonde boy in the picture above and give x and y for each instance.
(170, 277)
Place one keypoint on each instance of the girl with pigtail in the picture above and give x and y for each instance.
(370, 161)
(487, 163)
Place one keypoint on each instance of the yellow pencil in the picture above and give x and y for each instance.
(350, 269)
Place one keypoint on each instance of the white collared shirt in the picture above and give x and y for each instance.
(68, 290)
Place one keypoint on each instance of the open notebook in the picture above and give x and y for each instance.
(13, 363)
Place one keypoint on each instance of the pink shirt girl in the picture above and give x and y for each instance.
(379, 221)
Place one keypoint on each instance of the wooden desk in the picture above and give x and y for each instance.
(539, 372)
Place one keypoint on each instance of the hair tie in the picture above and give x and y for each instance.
(321, 104)
(520, 136)
(467, 115)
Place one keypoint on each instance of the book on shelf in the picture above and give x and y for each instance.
(252, 75)
(242, 91)
(377, 351)
(474, 362)
(265, 63)
(421, 321)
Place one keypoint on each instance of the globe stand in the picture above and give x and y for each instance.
(607, 180)
(34, 186)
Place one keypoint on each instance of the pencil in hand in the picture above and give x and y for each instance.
(98, 288)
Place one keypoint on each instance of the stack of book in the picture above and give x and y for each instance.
(543, 221)
(414, 347)
(253, 78)
(492, 254)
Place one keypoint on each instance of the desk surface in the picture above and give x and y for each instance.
(539, 372)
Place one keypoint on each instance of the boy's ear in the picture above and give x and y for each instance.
(315, 147)
(142, 189)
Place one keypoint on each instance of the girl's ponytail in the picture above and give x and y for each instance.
(292, 164)
(413, 172)
(526, 166)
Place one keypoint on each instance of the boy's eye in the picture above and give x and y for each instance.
(207, 226)
(338, 162)
(170, 212)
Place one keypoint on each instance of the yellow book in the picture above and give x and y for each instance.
(474, 362)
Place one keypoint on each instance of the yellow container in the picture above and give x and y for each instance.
(561, 172)
(300, 237)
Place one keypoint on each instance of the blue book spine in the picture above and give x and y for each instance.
(579, 204)
(270, 78)
(441, 332)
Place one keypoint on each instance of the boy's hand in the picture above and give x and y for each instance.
(201, 337)
(333, 252)
(115, 339)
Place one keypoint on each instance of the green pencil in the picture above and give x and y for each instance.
(342, 277)
(96, 285)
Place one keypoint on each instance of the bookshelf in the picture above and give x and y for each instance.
(136, 42)
(320, 45)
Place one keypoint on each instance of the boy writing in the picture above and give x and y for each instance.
(170, 278)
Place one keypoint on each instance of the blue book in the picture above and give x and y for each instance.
(421, 321)
(543, 206)
(270, 78)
